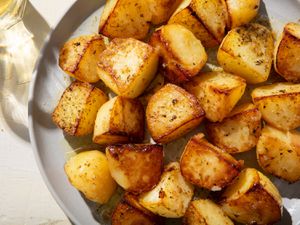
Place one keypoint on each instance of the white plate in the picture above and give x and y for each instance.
(51, 147)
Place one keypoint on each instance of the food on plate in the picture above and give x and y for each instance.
(252, 199)
(247, 51)
(218, 92)
(79, 57)
(278, 153)
(125, 18)
(120, 120)
(205, 212)
(171, 113)
(136, 168)
(279, 104)
(183, 55)
(172, 195)
(239, 131)
(287, 57)
(127, 66)
(206, 165)
(89, 173)
(76, 111)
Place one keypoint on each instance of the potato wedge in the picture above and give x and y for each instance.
(79, 57)
(171, 113)
(171, 197)
(238, 132)
(218, 92)
(136, 168)
(125, 19)
(279, 104)
(247, 51)
(76, 111)
(182, 53)
(128, 66)
(120, 120)
(205, 212)
(287, 58)
(89, 173)
(278, 153)
(252, 199)
(207, 166)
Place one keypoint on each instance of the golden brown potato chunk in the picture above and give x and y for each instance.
(125, 18)
(79, 57)
(136, 168)
(247, 51)
(238, 132)
(205, 212)
(182, 53)
(279, 104)
(171, 113)
(218, 92)
(120, 120)
(278, 153)
(206, 165)
(77, 108)
(252, 199)
(287, 57)
(128, 66)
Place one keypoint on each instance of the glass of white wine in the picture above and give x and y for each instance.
(11, 12)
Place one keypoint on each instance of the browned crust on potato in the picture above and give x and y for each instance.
(283, 95)
(100, 30)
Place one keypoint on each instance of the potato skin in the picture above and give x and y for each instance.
(136, 168)
(89, 173)
(76, 111)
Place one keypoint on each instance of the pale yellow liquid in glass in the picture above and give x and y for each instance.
(4, 5)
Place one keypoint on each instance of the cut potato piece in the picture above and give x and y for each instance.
(238, 132)
(125, 18)
(171, 113)
(205, 212)
(279, 104)
(120, 120)
(218, 92)
(206, 165)
(171, 197)
(128, 66)
(182, 53)
(77, 109)
(278, 153)
(79, 57)
(287, 57)
(89, 173)
(247, 51)
(136, 168)
(252, 199)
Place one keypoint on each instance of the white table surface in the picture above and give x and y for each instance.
(24, 198)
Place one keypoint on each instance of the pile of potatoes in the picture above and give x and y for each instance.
(159, 84)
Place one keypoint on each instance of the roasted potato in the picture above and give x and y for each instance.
(287, 58)
(171, 113)
(252, 199)
(136, 168)
(79, 57)
(247, 51)
(182, 53)
(171, 197)
(278, 153)
(218, 92)
(77, 108)
(239, 131)
(279, 104)
(125, 19)
(120, 120)
(128, 66)
(241, 12)
(89, 173)
(205, 212)
(207, 166)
